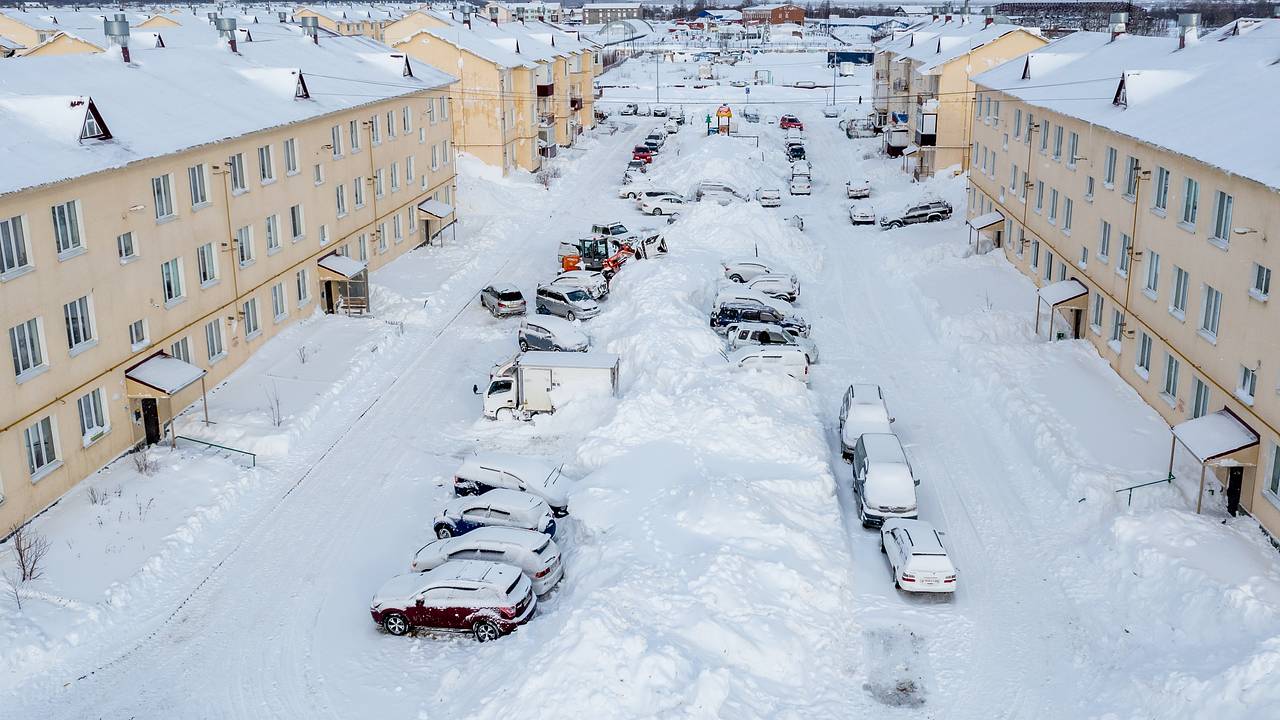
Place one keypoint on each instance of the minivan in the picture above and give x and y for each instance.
(570, 303)
(882, 480)
(790, 359)
(487, 471)
(546, 332)
(863, 410)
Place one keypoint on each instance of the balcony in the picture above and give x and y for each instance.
(546, 120)
(575, 103)
(546, 90)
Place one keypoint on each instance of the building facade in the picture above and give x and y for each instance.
(1096, 160)
(773, 14)
(141, 251)
(601, 13)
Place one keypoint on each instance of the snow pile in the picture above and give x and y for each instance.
(733, 160)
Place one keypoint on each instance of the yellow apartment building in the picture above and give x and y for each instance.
(148, 248)
(1102, 169)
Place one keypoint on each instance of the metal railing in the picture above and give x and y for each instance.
(253, 457)
(1142, 485)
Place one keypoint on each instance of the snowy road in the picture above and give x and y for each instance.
(715, 564)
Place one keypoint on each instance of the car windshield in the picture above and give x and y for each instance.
(510, 295)
(577, 295)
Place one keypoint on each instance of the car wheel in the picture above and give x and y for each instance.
(443, 532)
(657, 211)
(570, 316)
(486, 630)
(895, 224)
(524, 346)
(882, 545)
(736, 278)
(933, 218)
(505, 414)
(396, 624)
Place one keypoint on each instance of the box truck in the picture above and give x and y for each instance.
(533, 382)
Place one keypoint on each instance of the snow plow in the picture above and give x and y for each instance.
(598, 252)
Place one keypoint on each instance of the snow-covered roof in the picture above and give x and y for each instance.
(884, 448)
(1059, 292)
(464, 39)
(522, 466)
(8, 44)
(172, 99)
(1214, 435)
(165, 373)
(439, 209)
(347, 267)
(543, 358)
(1173, 98)
(986, 220)
(768, 7)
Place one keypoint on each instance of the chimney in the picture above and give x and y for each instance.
(311, 28)
(935, 18)
(117, 32)
(1117, 25)
(466, 20)
(948, 19)
(1188, 29)
(282, 16)
(213, 17)
(988, 21)
(227, 31)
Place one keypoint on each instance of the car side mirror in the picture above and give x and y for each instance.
(917, 481)
(420, 601)
(475, 390)
(893, 419)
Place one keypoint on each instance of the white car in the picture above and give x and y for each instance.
(671, 126)
(862, 215)
(790, 359)
(858, 189)
(537, 555)
(769, 198)
(639, 191)
(487, 471)
(737, 293)
(741, 270)
(504, 508)
(917, 558)
(593, 282)
(863, 410)
(778, 285)
(800, 185)
(738, 83)
(717, 191)
(664, 205)
(742, 334)
(830, 111)
(801, 167)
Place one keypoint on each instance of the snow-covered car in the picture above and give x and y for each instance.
(931, 211)
(783, 286)
(570, 303)
(800, 185)
(751, 115)
(806, 84)
(801, 167)
(671, 126)
(857, 189)
(537, 555)
(739, 292)
(769, 197)
(796, 152)
(756, 333)
(643, 153)
(636, 192)
(634, 166)
(595, 283)
(882, 480)
(629, 109)
(738, 83)
(486, 599)
(487, 471)
(717, 190)
(743, 269)
(659, 110)
(830, 111)
(786, 122)
(502, 300)
(917, 558)
(735, 313)
(502, 507)
(791, 359)
(657, 138)
(551, 334)
(663, 205)
(862, 215)
(862, 411)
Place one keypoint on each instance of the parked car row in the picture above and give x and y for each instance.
(761, 328)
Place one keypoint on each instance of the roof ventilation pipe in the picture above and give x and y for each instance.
(227, 30)
(1188, 29)
(117, 32)
(311, 28)
(1117, 26)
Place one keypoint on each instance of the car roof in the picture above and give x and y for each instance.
(747, 261)
(780, 350)
(528, 539)
(502, 498)
(504, 287)
(925, 539)
(578, 275)
(867, 393)
(753, 325)
(476, 571)
(523, 465)
(884, 448)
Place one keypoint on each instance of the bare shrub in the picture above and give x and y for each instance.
(12, 586)
(94, 496)
(144, 463)
(29, 547)
(273, 405)
(304, 354)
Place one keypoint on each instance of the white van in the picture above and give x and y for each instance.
(862, 411)
(791, 359)
(492, 470)
(882, 480)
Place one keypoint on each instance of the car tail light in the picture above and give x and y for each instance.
(949, 578)
(507, 612)
(908, 577)
(542, 573)
(457, 480)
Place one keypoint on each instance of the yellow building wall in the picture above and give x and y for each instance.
(63, 44)
(18, 32)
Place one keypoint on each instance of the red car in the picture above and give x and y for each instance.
(485, 599)
(642, 153)
(786, 122)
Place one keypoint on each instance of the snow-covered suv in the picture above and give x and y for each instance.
(537, 555)
(504, 508)
(932, 211)
(486, 599)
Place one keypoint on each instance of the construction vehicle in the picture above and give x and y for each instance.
(601, 253)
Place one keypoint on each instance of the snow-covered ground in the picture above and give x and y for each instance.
(715, 567)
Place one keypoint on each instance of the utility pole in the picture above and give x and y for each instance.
(657, 80)
(835, 66)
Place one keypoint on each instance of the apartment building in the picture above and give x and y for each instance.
(513, 11)
(166, 211)
(524, 88)
(367, 20)
(1104, 168)
(924, 85)
(773, 14)
(605, 12)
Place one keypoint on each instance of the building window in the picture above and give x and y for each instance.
(266, 166)
(1084, 256)
(448, 153)
(138, 335)
(375, 131)
(1109, 176)
(125, 247)
(413, 222)
(391, 124)
(1068, 209)
(1131, 178)
(181, 350)
(324, 235)
(1013, 177)
(251, 326)
(1098, 306)
(1017, 123)
(1178, 303)
(171, 280)
(341, 199)
(1044, 137)
(1048, 266)
(42, 447)
(431, 112)
(1126, 255)
(198, 182)
(1104, 242)
(1117, 329)
(397, 229)
(244, 245)
(79, 321)
(435, 158)
(236, 165)
(296, 225)
(1035, 253)
(1152, 288)
(1160, 196)
(291, 156)
(317, 174)
(1212, 315)
(1273, 477)
(335, 141)
(273, 233)
(362, 247)
(395, 176)
(66, 227)
(278, 305)
(162, 193)
(405, 124)
(408, 171)
(1057, 142)
(1222, 217)
(14, 253)
(1143, 363)
(1190, 202)
(382, 237)
(303, 286)
(353, 131)
(207, 264)
(1073, 148)
(1171, 368)
(1261, 282)
(1199, 398)
(1088, 188)
(213, 340)
(357, 186)
(26, 346)
(1039, 195)
(1248, 385)
(1053, 206)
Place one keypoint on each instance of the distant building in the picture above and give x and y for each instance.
(773, 14)
(601, 13)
